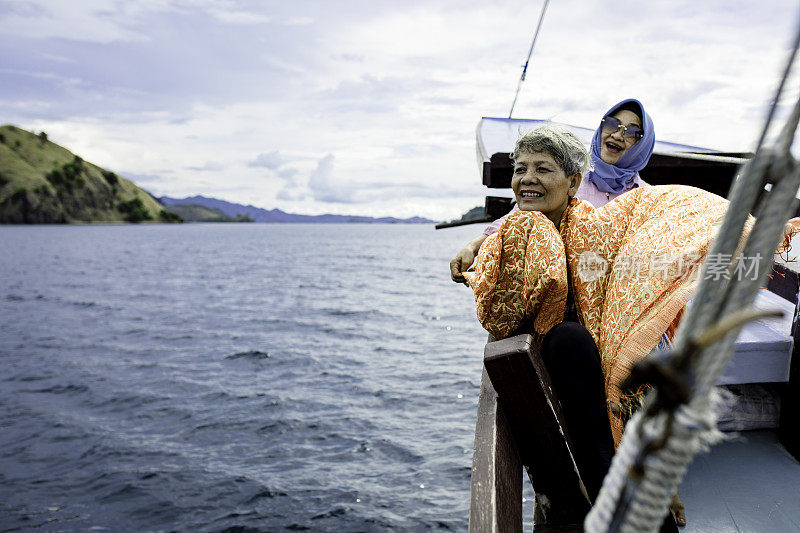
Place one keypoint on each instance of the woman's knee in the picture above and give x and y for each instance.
(570, 345)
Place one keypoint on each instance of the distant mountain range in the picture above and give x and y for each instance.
(201, 213)
(258, 214)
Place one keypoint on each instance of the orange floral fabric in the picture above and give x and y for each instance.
(633, 265)
(514, 281)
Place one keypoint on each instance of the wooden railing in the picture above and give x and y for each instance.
(496, 486)
(526, 431)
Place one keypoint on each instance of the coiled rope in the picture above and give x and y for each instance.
(679, 418)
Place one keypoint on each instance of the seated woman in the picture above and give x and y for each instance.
(597, 287)
(621, 147)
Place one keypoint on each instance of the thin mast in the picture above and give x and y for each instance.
(525, 68)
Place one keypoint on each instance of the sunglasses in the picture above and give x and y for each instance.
(613, 124)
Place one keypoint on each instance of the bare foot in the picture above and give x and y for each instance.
(677, 510)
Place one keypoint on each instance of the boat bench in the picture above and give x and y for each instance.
(763, 350)
(524, 428)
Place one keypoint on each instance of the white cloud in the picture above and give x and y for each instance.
(209, 166)
(271, 160)
(323, 185)
(86, 20)
(240, 17)
(287, 172)
(370, 114)
(298, 21)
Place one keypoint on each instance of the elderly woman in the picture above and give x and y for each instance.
(599, 288)
(621, 147)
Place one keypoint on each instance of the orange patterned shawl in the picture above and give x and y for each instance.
(633, 264)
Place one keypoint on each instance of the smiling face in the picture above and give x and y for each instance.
(540, 184)
(613, 144)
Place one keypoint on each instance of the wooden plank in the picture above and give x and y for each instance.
(534, 416)
(706, 511)
(788, 282)
(496, 481)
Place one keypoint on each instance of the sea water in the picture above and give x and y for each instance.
(239, 377)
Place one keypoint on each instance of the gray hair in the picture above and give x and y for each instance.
(565, 147)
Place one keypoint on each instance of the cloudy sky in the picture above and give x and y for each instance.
(369, 107)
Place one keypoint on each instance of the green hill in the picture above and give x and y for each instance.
(42, 182)
(201, 213)
(475, 213)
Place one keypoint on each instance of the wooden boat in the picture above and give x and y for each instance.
(749, 483)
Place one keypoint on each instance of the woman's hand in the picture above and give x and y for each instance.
(464, 259)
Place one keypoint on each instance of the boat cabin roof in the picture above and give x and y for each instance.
(500, 134)
(670, 163)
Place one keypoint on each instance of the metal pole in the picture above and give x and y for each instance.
(525, 67)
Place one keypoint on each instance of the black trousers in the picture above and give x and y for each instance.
(573, 362)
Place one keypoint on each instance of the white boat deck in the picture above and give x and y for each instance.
(748, 484)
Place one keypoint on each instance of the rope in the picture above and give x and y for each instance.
(663, 437)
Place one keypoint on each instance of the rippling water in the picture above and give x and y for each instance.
(242, 377)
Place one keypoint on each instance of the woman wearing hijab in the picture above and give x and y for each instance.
(621, 147)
